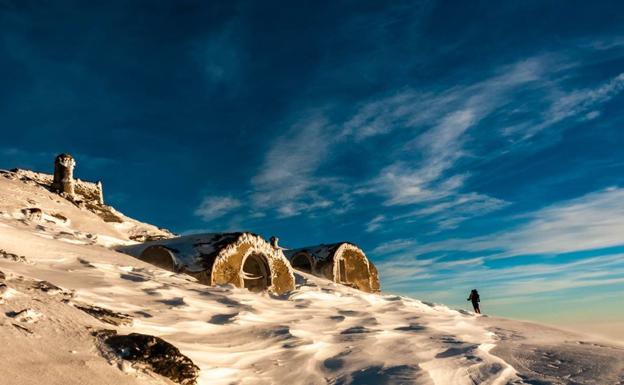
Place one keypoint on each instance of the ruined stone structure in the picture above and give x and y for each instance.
(63, 182)
(242, 259)
(343, 263)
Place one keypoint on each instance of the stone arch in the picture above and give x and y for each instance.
(220, 258)
(159, 256)
(229, 264)
(342, 262)
(256, 273)
(302, 262)
(351, 267)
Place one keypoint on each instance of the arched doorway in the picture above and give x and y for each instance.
(301, 262)
(256, 273)
(159, 256)
(342, 271)
(353, 270)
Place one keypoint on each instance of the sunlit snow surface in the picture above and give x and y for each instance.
(321, 333)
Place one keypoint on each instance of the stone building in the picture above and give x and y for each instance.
(342, 262)
(63, 182)
(242, 259)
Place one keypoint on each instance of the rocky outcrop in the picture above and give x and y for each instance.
(14, 257)
(32, 214)
(42, 206)
(161, 356)
(105, 315)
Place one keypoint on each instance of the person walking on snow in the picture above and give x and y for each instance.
(474, 297)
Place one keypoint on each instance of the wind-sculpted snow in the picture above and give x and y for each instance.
(320, 333)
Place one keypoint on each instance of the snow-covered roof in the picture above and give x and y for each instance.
(191, 251)
(322, 252)
(222, 256)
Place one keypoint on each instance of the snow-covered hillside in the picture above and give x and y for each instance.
(321, 333)
(25, 197)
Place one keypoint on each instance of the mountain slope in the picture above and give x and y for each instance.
(321, 333)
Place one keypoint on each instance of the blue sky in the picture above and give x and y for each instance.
(460, 144)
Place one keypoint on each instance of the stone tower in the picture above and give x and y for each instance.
(64, 175)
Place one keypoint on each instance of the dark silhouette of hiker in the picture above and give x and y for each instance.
(474, 297)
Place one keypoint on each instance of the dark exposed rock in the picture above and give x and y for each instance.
(32, 214)
(2, 276)
(24, 315)
(162, 357)
(14, 257)
(355, 330)
(22, 328)
(104, 333)
(52, 289)
(105, 212)
(60, 217)
(105, 315)
(47, 286)
(411, 328)
(147, 237)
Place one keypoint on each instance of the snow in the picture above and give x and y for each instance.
(320, 333)
(324, 330)
(60, 217)
(320, 252)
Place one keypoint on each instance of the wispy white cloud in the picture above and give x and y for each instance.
(416, 110)
(449, 116)
(595, 220)
(564, 104)
(431, 180)
(468, 203)
(578, 102)
(375, 223)
(441, 123)
(287, 181)
(424, 173)
(602, 43)
(502, 285)
(393, 246)
(592, 221)
(449, 214)
(213, 207)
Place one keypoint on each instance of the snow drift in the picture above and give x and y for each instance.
(61, 287)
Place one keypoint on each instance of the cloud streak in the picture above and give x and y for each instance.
(213, 207)
(441, 129)
(287, 181)
(593, 221)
